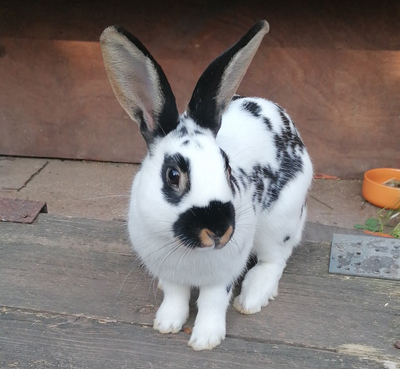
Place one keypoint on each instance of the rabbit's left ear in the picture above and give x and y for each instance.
(139, 83)
(220, 80)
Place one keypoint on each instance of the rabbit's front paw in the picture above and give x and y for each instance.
(206, 337)
(170, 318)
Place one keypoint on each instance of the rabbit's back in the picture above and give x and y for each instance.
(265, 150)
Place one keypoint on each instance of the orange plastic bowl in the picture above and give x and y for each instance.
(379, 194)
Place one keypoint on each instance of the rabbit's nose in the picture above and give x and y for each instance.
(209, 238)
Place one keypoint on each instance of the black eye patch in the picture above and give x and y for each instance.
(174, 192)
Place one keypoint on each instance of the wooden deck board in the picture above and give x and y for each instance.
(51, 340)
(61, 269)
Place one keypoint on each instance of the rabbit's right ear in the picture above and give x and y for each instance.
(139, 83)
(219, 82)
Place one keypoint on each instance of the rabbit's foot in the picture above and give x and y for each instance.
(252, 305)
(170, 318)
(256, 292)
(174, 310)
(207, 336)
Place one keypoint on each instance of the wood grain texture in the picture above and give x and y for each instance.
(44, 340)
(334, 66)
(70, 268)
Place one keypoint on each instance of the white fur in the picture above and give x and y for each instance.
(247, 142)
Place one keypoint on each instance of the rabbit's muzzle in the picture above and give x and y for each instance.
(210, 227)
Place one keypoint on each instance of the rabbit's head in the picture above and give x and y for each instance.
(185, 179)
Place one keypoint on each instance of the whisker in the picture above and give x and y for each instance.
(253, 148)
(147, 266)
(123, 282)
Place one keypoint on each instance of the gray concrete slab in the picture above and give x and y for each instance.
(15, 173)
(77, 188)
(338, 203)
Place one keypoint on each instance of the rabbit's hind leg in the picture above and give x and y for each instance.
(273, 246)
(259, 286)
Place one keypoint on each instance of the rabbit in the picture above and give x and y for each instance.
(225, 180)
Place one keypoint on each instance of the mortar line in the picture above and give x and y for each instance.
(321, 202)
(33, 176)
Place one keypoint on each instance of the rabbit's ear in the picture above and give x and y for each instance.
(139, 83)
(220, 80)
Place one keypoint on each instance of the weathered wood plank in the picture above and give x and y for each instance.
(77, 266)
(72, 233)
(34, 339)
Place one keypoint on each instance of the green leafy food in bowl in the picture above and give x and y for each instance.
(392, 183)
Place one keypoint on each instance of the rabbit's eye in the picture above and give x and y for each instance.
(173, 176)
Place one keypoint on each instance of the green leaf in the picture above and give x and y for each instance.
(396, 232)
(359, 226)
(373, 225)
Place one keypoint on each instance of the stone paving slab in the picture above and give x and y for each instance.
(15, 173)
(375, 257)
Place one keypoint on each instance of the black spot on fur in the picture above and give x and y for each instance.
(267, 182)
(259, 178)
(267, 123)
(289, 168)
(226, 159)
(185, 143)
(183, 132)
(217, 217)
(171, 194)
(234, 185)
(287, 238)
(252, 107)
(243, 178)
(302, 208)
(252, 261)
(290, 135)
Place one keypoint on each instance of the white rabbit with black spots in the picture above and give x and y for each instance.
(225, 180)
